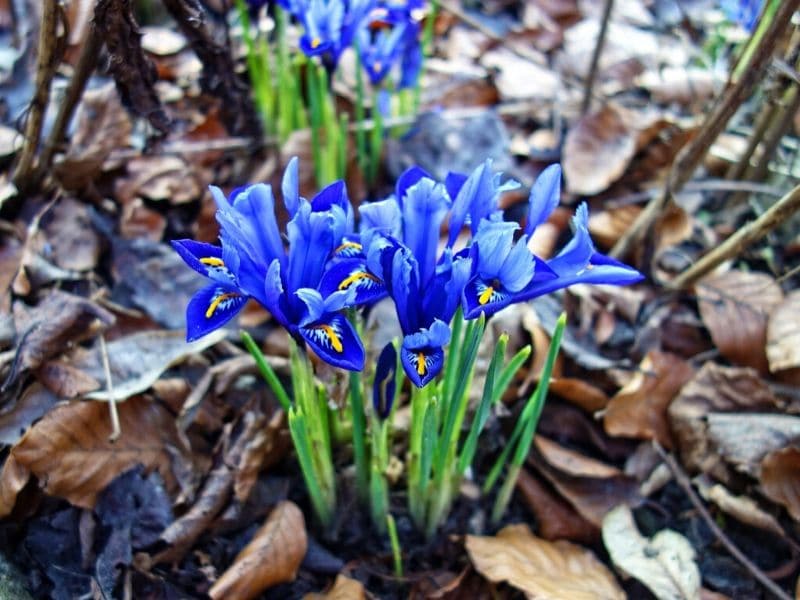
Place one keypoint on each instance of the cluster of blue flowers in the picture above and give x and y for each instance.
(328, 266)
(386, 33)
(743, 12)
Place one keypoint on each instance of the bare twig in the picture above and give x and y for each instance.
(776, 215)
(683, 480)
(84, 68)
(45, 68)
(598, 50)
(116, 430)
(692, 155)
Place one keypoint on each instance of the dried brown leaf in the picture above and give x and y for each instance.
(783, 334)
(735, 306)
(579, 392)
(714, 390)
(266, 448)
(665, 563)
(34, 402)
(70, 452)
(65, 380)
(73, 241)
(591, 487)
(741, 508)
(343, 588)
(13, 478)
(639, 409)
(780, 479)
(557, 519)
(138, 360)
(597, 150)
(272, 556)
(161, 177)
(607, 226)
(541, 569)
(58, 322)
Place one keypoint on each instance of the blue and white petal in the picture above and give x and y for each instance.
(210, 308)
(352, 273)
(335, 341)
(203, 258)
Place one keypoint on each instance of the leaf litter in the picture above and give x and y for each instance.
(193, 498)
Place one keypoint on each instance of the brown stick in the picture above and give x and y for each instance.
(45, 67)
(776, 215)
(84, 68)
(683, 480)
(598, 50)
(692, 155)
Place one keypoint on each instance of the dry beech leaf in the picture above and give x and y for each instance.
(34, 402)
(579, 392)
(592, 487)
(138, 360)
(541, 569)
(70, 452)
(607, 226)
(780, 479)
(743, 440)
(272, 556)
(714, 390)
(665, 563)
(639, 409)
(741, 508)
(783, 334)
(682, 85)
(343, 588)
(74, 243)
(597, 150)
(556, 518)
(735, 306)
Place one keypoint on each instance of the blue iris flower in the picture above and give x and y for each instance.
(389, 37)
(330, 26)
(253, 262)
(743, 12)
(425, 285)
(505, 271)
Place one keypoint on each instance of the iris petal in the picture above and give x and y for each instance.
(210, 308)
(335, 341)
(199, 256)
(352, 273)
(424, 207)
(385, 383)
(544, 197)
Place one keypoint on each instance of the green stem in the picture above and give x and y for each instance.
(267, 372)
(359, 436)
(394, 540)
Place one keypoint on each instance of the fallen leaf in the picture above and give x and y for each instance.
(541, 569)
(343, 588)
(780, 479)
(714, 390)
(272, 556)
(597, 149)
(664, 563)
(34, 402)
(783, 334)
(10, 141)
(138, 360)
(162, 177)
(74, 243)
(103, 125)
(607, 226)
(268, 446)
(734, 306)
(58, 322)
(741, 508)
(591, 487)
(70, 452)
(65, 380)
(744, 439)
(579, 392)
(689, 86)
(639, 409)
(519, 78)
(556, 518)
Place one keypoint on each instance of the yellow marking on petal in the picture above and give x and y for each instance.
(589, 267)
(347, 245)
(348, 281)
(315, 43)
(422, 367)
(212, 261)
(329, 331)
(486, 295)
(377, 66)
(221, 298)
